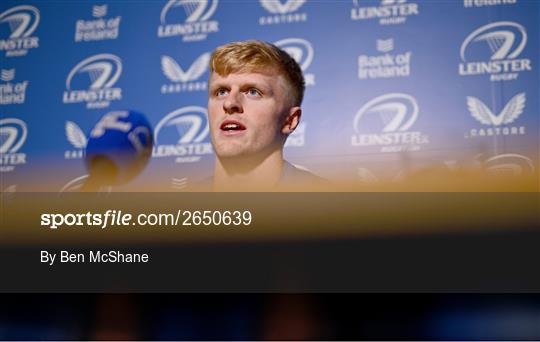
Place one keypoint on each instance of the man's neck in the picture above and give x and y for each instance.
(248, 174)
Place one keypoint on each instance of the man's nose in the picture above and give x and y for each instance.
(233, 103)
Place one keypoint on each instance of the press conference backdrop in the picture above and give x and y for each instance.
(393, 86)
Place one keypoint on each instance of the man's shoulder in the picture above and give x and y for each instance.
(295, 177)
(205, 184)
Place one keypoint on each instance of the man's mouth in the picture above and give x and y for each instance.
(231, 126)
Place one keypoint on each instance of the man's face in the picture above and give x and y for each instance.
(246, 113)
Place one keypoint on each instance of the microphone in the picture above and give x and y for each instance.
(119, 147)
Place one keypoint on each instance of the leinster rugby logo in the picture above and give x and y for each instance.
(302, 52)
(23, 21)
(283, 13)
(499, 44)
(389, 12)
(509, 164)
(183, 134)
(12, 137)
(196, 17)
(184, 81)
(102, 71)
(397, 113)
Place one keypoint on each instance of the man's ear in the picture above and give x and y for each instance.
(292, 120)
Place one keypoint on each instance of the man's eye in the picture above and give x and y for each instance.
(254, 92)
(221, 92)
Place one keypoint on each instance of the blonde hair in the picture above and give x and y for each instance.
(259, 56)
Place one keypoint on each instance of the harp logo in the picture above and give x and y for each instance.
(11, 92)
(302, 52)
(282, 12)
(78, 140)
(183, 134)
(494, 50)
(12, 137)
(23, 21)
(509, 164)
(393, 116)
(184, 81)
(98, 74)
(499, 123)
(196, 15)
(389, 12)
(97, 29)
(385, 65)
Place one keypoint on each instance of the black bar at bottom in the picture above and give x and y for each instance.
(501, 262)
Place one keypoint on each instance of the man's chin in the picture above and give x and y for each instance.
(241, 151)
(230, 153)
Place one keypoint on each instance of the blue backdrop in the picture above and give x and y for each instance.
(393, 86)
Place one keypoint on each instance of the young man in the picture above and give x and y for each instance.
(254, 98)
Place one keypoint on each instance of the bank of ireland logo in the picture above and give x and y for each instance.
(7, 75)
(11, 92)
(282, 12)
(493, 50)
(77, 139)
(385, 45)
(183, 134)
(509, 164)
(392, 115)
(23, 21)
(98, 74)
(184, 80)
(388, 12)
(13, 134)
(99, 11)
(99, 28)
(302, 52)
(196, 15)
(179, 184)
(385, 65)
(500, 123)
